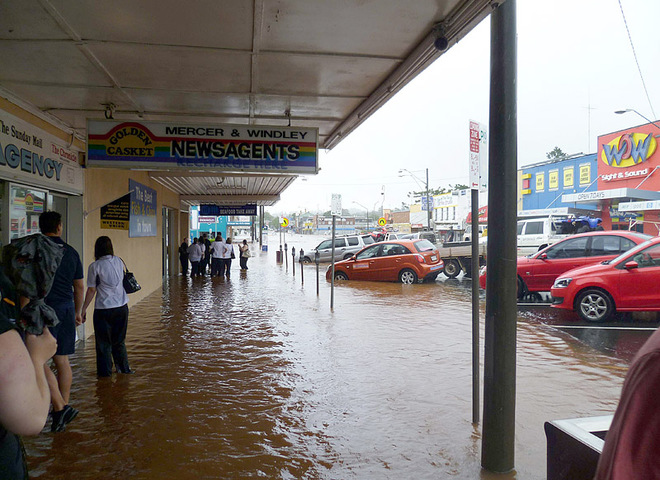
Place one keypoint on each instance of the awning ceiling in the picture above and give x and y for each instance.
(313, 63)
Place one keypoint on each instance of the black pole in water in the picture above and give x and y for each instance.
(286, 258)
(293, 260)
(499, 415)
(316, 260)
(300, 260)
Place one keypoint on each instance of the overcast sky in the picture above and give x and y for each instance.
(575, 68)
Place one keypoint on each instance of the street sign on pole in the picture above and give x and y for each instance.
(335, 206)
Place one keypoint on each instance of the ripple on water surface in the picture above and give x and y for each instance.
(255, 377)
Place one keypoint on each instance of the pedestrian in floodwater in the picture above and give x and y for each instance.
(632, 445)
(183, 256)
(244, 249)
(195, 255)
(105, 281)
(227, 256)
(216, 250)
(206, 253)
(66, 298)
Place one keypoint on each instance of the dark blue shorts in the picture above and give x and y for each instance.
(65, 331)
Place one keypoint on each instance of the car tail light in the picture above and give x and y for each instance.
(420, 257)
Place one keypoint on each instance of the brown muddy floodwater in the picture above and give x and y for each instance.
(256, 378)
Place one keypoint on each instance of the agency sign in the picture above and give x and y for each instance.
(628, 157)
(161, 146)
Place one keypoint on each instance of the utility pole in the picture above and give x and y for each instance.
(428, 206)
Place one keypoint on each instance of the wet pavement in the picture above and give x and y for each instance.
(255, 377)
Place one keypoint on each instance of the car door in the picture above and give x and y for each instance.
(390, 261)
(364, 266)
(560, 257)
(325, 251)
(639, 288)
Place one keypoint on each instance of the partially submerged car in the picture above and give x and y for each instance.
(406, 261)
(628, 283)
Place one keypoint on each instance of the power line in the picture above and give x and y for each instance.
(636, 61)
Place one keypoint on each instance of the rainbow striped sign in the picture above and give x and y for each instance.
(164, 146)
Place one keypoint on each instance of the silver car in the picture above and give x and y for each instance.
(345, 247)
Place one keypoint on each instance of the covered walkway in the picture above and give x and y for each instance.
(256, 378)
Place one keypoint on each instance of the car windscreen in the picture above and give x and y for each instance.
(368, 239)
(424, 246)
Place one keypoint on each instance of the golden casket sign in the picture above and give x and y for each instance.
(168, 146)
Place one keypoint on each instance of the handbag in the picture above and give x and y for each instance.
(232, 253)
(130, 283)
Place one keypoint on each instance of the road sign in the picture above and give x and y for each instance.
(335, 206)
(285, 222)
(382, 222)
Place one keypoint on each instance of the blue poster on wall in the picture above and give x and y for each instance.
(143, 221)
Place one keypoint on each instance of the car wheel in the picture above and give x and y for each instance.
(307, 260)
(341, 276)
(522, 289)
(452, 268)
(407, 276)
(430, 278)
(594, 305)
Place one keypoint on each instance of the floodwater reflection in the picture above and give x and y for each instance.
(255, 377)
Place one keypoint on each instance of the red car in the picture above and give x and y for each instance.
(406, 261)
(628, 283)
(537, 272)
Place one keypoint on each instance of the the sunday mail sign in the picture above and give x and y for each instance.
(159, 146)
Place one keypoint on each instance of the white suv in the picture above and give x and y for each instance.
(345, 247)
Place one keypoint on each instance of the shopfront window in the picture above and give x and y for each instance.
(25, 206)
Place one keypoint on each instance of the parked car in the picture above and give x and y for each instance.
(345, 247)
(534, 234)
(628, 283)
(538, 272)
(406, 261)
(430, 236)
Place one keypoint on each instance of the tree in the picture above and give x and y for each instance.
(556, 154)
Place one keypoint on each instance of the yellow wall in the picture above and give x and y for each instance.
(143, 255)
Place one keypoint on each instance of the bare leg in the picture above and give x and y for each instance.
(64, 376)
(55, 395)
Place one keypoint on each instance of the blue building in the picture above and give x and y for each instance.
(544, 183)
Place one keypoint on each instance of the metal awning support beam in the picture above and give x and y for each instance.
(498, 444)
(231, 199)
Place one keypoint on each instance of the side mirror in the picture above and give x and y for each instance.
(543, 256)
(630, 265)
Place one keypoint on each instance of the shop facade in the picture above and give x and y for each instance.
(620, 183)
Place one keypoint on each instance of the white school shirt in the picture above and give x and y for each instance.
(107, 276)
(229, 247)
(217, 248)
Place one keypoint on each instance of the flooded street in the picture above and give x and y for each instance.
(255, 377)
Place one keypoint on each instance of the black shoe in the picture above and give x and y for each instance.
(62, 418)
(127, 372)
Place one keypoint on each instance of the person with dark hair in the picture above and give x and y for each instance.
(244, 249)
(195, 253)
(105, 281)
(227, 255)
(216, 255)
(206, 255)
(67, 303)
(183, 256)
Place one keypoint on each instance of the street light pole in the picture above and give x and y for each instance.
(621, 112)
(428, 210)
(358, 203)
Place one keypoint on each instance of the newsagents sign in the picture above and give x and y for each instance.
(161, 146)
